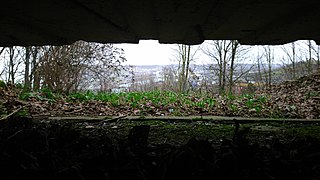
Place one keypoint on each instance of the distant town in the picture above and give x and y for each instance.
(139, 77)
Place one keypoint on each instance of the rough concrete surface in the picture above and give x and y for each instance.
(58, 22)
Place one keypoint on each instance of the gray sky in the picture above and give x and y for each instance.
(151, 52)
(148, 52)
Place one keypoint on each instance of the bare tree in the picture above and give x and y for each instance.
(13, 63)
(34, 74)
(309, 59)
(59, 67)
(79, 65)
(238, 53)
(316, 51)
(27, 82)
(218, 52)
(3, 70)
(226, 55)
(170, 79)
(269, 57)
(290, 60)
(132, 71)
(313, 56)
(106, 65)
(184, 58)
(259, 66)
(185, 55)
(1, 50)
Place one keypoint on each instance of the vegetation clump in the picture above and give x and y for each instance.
(277, 102)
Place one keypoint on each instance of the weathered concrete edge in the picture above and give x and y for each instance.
(212, 119)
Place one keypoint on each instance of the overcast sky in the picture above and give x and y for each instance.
(150, 52)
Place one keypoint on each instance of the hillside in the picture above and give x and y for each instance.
(290, 99)
(41, 147)
(299, 98)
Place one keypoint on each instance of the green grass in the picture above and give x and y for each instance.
(165, 101)
(146, 99)
(44, 94)
(254, 102)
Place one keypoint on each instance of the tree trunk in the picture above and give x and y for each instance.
(224, 68)
(183, 67)
(182, 74)
(2, 49)
(34, 76)
(318, 57)
(27, 84)
(188, 59)
(293, 61)
(270, 73)
(309, 63)
(234, 46)
(220, 78)
(269, 57)
(259, 70)
(11, 65)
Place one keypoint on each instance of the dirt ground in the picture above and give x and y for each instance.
(153, 149)
(36, 147)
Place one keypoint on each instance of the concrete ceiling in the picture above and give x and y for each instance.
(57, 22)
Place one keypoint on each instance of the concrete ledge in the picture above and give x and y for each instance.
(210, 119)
